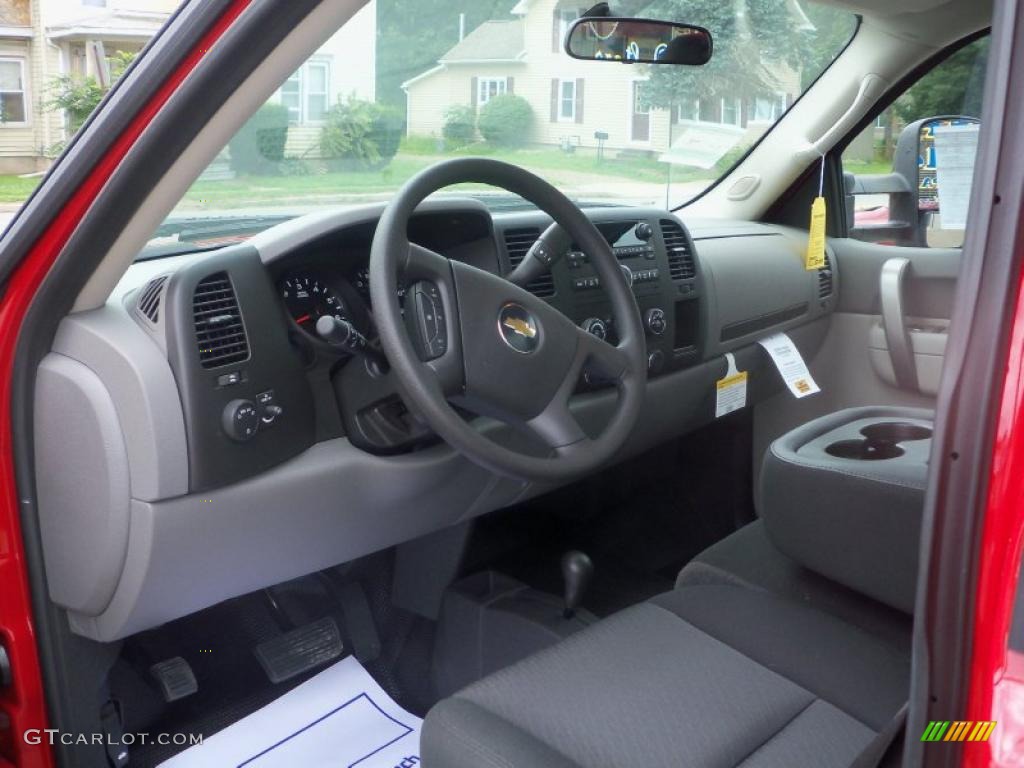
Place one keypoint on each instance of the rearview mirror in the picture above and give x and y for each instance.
(638, 41)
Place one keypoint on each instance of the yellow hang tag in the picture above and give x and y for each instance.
(815, 257)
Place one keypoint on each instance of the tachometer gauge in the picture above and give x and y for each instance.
(308, 298)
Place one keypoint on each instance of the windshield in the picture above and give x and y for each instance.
(407, 83)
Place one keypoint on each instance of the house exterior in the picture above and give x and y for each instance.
(43, 39)
(574, 100)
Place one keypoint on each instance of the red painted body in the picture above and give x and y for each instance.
(23, 703)
(997, 675)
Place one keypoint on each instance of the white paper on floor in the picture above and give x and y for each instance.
(341, 718)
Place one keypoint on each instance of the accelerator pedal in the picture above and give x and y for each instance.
(300, 650)
(175, 678)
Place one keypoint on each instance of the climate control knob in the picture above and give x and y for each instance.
(654, 321)
(596, 327)
(240, 420)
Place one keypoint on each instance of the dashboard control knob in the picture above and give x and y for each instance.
(596, 327)
(654, 321)
(655, 361)
(240, 420)
(643, 231)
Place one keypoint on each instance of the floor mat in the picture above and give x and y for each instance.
(340, 717)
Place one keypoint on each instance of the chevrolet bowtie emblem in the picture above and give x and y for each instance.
(520, 326)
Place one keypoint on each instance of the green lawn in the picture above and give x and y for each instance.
(867, 167)
(319, 186)
(14, 189)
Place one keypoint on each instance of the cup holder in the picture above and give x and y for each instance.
(864, 450)
(895, 432)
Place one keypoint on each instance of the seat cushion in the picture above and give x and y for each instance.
(750, 559)
(713, 675)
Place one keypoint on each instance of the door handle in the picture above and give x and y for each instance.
(897, 337)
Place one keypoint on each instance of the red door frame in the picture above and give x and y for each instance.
(23, 702)
(996, 685)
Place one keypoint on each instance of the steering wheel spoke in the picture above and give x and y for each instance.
(431, 316)
(601, 358)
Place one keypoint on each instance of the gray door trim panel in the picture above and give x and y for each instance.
(929, 291)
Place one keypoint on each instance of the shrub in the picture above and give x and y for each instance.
(388, 130)
(459, 125)
(360, 135)
(505, 121)
(258, 147)
(78, 96)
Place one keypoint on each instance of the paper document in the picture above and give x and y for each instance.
(955, 150)
(791, 364)
(341, 718)
(731, 391)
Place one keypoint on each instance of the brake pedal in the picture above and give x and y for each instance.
(300, 650)
(175, 678)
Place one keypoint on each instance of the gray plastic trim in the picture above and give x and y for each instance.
(83, 489)
(755, 274)
(135, 372)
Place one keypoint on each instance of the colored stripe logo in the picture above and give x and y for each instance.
(958, 730)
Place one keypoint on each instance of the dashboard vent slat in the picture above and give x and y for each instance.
(220, 332)
(681, 265)
(149, 300)
(825, 278)
(518, 243)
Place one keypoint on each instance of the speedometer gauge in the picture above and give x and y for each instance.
(308, 298)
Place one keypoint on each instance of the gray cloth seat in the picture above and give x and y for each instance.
(750, 559)
(712, 674)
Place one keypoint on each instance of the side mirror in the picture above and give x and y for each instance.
(638, 41)
(936, 157)
(928, 189)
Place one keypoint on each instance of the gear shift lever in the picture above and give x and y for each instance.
(577, 570)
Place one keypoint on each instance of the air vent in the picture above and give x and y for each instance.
(825, 279)
(680, 258)
(220, 335)
(149, 300)
(518, 242)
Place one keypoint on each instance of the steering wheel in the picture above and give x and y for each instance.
(479, 341)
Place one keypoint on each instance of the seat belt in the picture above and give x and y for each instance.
(875, 750)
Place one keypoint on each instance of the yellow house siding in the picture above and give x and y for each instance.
(17, 141)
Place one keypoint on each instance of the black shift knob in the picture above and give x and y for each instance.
(577, 570)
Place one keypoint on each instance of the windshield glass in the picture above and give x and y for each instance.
(407, 83)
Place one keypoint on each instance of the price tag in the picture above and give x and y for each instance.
(791, 365)
(730, 392)
(815, 257)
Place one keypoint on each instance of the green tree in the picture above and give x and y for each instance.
(753, 39)
(413, 34)
(745, 46)
(954, 87)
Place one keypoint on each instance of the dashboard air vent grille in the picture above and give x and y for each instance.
(220, 334)
(825, 278)
(149, 299)
(681, 265)
(518, 243)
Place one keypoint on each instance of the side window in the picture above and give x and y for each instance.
(908, 174)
